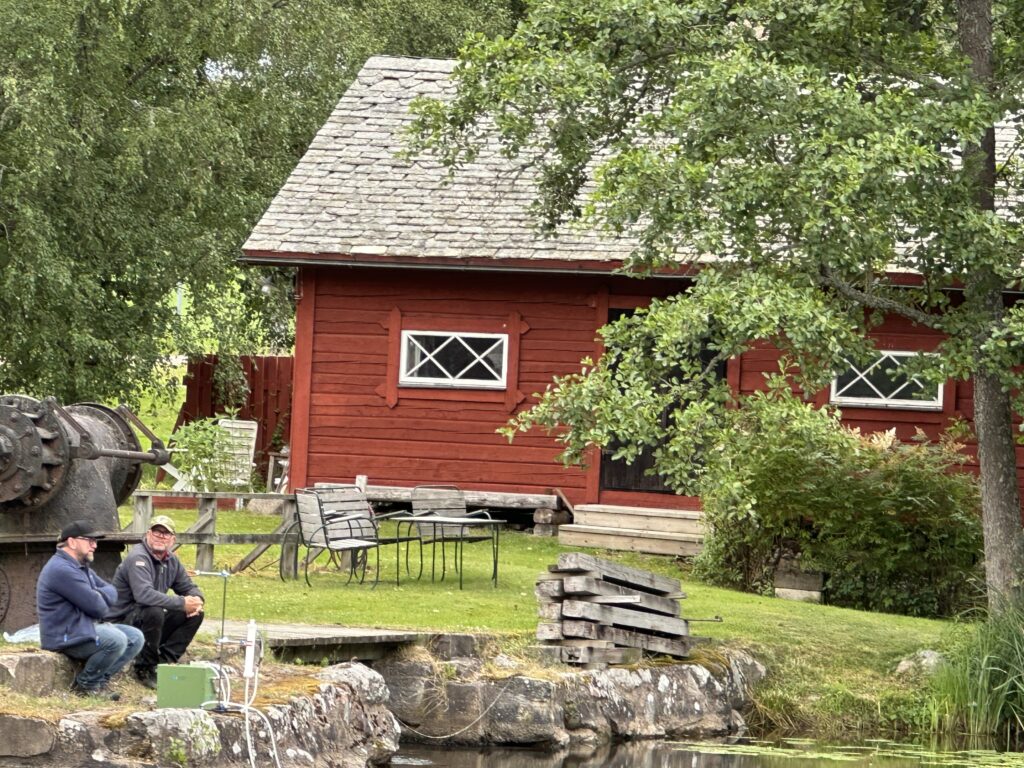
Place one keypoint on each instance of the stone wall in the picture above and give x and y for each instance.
(451, 700)
(344, 724)
(444, 693)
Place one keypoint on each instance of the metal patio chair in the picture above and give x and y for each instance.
(345, 529)
(353, 499)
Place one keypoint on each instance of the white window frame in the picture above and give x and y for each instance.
(406, 379)
(911, 404)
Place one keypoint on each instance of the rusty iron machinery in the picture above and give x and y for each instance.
(59, 464)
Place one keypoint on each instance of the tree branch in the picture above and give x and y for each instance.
(873, 301)
(150, 63)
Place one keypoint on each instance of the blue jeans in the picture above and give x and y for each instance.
(118, 644)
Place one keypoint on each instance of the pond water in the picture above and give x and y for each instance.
(794, 753)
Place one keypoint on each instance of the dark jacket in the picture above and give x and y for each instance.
(70, 599)
(142, 579)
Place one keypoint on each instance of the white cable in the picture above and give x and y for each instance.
(273, 737)
(248, 734)
(227, 705)
(466, 728)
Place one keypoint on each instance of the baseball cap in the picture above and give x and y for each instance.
(163, 521)
(80, 529)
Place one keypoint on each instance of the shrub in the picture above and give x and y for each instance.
(207, 454)
(892, 524)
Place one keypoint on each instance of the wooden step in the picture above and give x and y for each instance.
(639, 518)
(630, 540)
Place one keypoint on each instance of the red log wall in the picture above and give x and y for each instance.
(350, 417)
(361, 422)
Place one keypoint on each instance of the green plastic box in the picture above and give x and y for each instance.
(184, 685)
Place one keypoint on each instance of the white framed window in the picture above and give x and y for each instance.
(881, 384)
(454, 359)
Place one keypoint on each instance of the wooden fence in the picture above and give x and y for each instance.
(203, 533)
(269, 401)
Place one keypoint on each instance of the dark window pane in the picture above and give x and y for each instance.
(479, 345)
(480, 372)
(431, 370)
(883, 381)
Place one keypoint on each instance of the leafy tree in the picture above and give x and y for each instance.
(828, 148)
(139, 142)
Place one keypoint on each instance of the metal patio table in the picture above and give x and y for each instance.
(464, 524)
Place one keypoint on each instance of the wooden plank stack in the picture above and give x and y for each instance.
(595, 612)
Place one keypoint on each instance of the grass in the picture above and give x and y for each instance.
(159, 412)
(831, 668)
(981, 688)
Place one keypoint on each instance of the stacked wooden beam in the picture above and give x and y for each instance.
(596, 612)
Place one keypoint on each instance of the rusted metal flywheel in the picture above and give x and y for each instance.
(35, 453)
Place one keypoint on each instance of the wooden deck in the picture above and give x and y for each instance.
(316, 642)
(635, 529)
(382, 493)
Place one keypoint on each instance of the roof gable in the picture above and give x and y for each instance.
(351, 200)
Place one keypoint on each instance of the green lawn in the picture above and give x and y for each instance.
(831, 668)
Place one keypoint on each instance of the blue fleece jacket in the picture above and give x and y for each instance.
(70, 599)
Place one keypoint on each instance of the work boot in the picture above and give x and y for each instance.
(146, 677)
(98, 692)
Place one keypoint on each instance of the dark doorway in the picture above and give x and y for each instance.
(617, 474)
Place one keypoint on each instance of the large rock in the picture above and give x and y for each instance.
(366, 684)
(344, 724)
(449, 645)
(25, 736)
(923, 663)
(523, 711)
(36, 673)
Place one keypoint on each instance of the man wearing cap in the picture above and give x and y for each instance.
(142, 581)
(72, 602)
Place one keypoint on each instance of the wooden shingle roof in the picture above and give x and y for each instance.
(351, 200)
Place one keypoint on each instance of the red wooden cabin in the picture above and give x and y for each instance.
(403, 277)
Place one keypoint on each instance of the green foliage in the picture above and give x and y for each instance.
(979, 689)
(139, 143)
(893, 527)
(206, 454)
(831, 147)
(664, 357)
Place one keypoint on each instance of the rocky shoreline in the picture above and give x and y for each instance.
(453, 701)
(354, 716)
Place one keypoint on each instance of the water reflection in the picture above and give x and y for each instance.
(792, 753)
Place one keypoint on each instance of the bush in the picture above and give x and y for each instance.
(208, 455)
(893, 526)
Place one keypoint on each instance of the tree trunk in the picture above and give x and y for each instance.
(1000, 498)
(993, 421)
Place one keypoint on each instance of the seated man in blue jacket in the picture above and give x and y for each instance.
(142, 580)
(72, 602)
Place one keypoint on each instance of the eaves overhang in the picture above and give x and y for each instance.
(462, 263)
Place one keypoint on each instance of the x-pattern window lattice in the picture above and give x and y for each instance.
(883, 384)
(453, 359)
